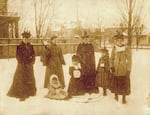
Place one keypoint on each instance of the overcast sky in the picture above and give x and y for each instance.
(89, 12)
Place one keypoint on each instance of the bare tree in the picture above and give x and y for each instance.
(99, 25)
(44, 12)
(131, 14)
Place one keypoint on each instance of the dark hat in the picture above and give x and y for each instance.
(104, 50)
(26, 34)
(85, 35)
(53, 37)
(75, 58)
(119, 36)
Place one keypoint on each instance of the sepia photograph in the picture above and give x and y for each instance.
(74, 57)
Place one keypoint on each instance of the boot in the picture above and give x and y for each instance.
(22, 99)
(116, 97)
(104, 92)
(124, 99)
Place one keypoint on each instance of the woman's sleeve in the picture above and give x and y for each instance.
(107, 62)
(61, 56)
(32, 57)
(44, 57)
(71, 71)
(79, 53)
(19, 55)
(112, 58)
(98, 64)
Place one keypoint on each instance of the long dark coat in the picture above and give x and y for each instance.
(23, 84)
(75, 83)
(85, 51)
(121, 62)
(103, 72)
(52, 58)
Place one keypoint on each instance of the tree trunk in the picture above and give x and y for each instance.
(130, 24)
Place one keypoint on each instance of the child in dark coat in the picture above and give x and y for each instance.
(103, 71)
(75, 80)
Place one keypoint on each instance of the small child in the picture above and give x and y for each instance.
(102, 76)
(55, 89)
(75, 80)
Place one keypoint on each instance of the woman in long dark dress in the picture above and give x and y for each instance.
(85, 51)
(52, 58)
(23, 84)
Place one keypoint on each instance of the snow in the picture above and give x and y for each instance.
(38, 105)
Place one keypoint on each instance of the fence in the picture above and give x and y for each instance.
(8, 47)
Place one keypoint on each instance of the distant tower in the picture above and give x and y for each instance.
(8, 22)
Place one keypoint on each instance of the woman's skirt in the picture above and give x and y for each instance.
(120, 85)
(102, 79)
(23, 84)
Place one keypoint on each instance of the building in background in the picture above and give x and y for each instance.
(8, 21)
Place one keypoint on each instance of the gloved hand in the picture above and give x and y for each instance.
(112, 70)
(128, 73)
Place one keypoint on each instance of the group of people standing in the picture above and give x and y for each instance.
(111, 73)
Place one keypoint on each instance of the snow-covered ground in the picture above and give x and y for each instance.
(38, 105)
